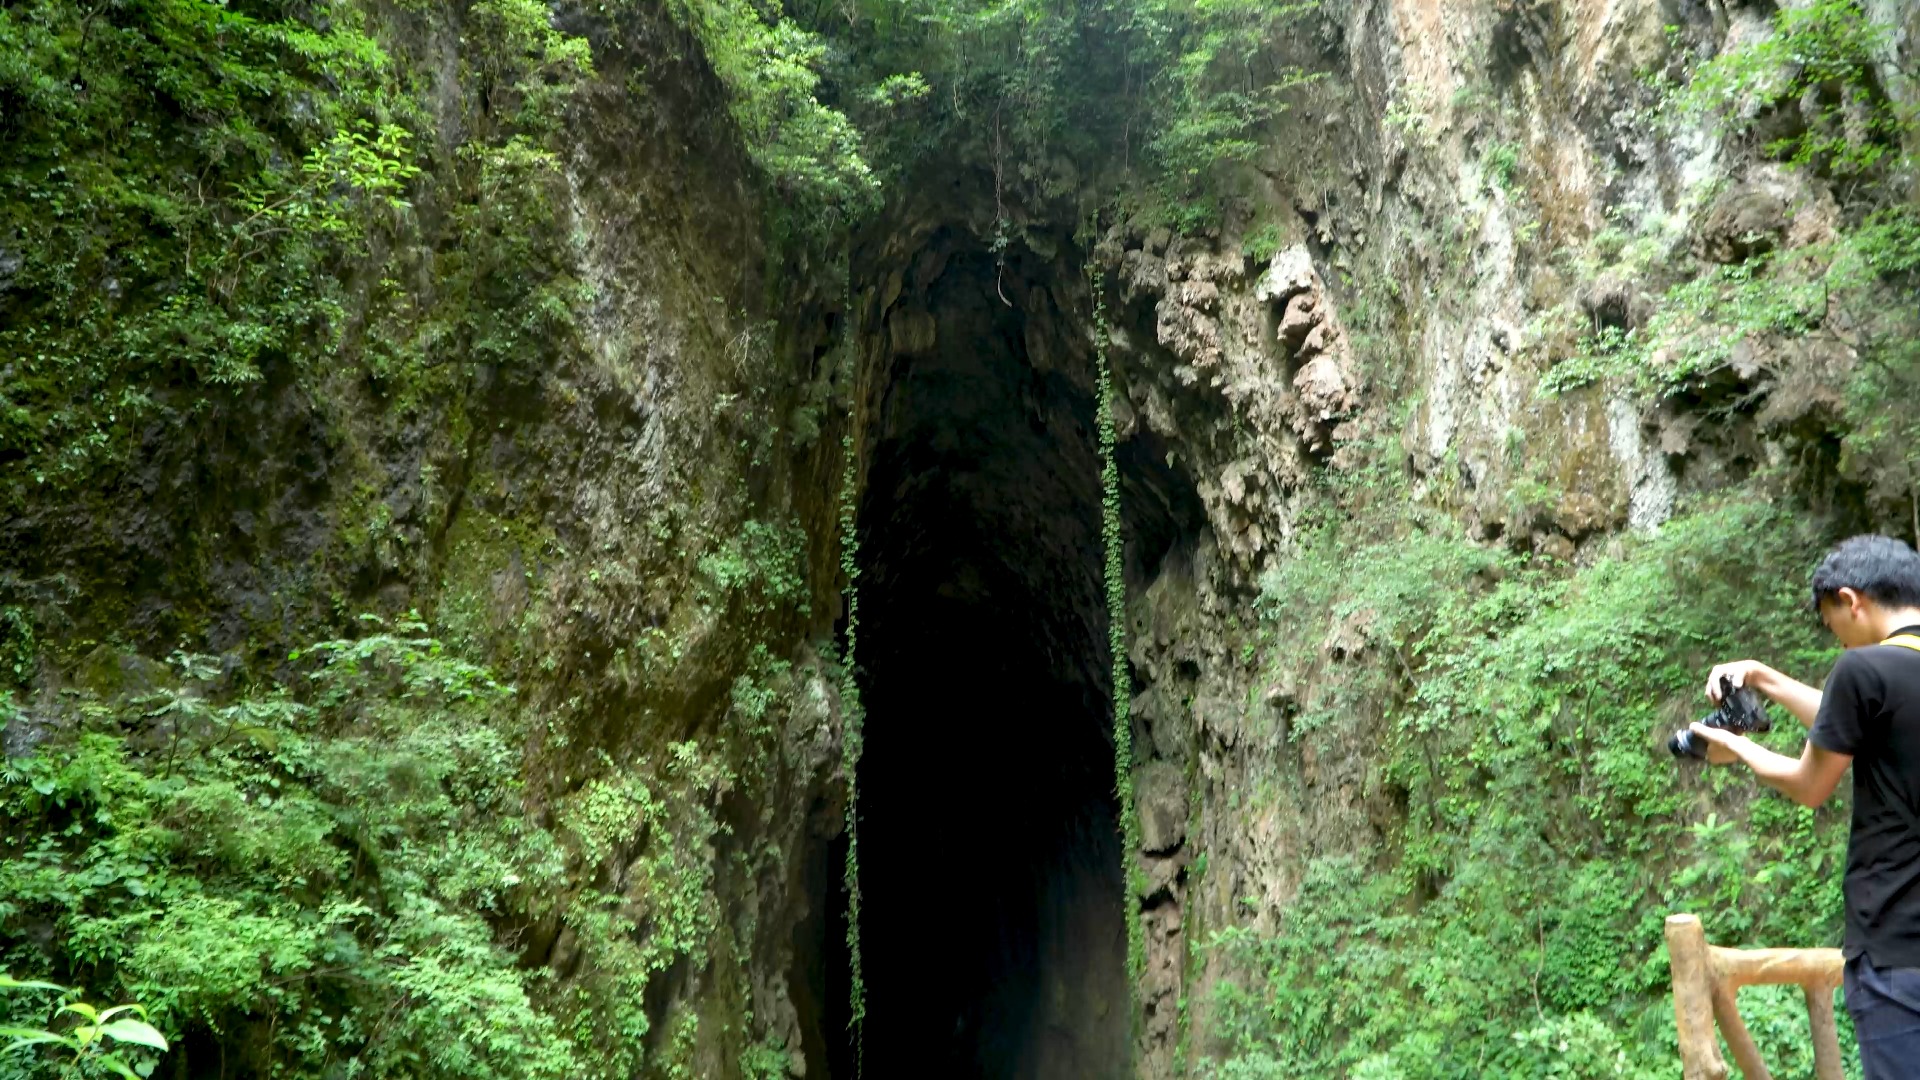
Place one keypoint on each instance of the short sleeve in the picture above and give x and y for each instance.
(1846, 706)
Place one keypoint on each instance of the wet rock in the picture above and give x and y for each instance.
(1553, 545)
(1160, 797)
(1615, 301)
(911, 331)
(1141, 275)
(1301, 317)
(1326, 391)
(1746, 220)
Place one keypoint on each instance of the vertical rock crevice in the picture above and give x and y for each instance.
(994, 919)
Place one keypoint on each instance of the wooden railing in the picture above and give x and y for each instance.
(1705, 980)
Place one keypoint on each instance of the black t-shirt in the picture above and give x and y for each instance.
(1870, 709)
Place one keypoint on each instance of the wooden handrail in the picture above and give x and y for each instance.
(1706, 979)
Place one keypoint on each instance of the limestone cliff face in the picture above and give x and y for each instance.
(642, 531)
(1448, 179)
(631, 513)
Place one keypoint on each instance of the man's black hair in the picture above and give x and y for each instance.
(1884, 569)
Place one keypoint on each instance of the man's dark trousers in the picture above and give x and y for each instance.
(1885, 1004)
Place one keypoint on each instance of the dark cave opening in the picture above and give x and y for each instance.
(993, 933)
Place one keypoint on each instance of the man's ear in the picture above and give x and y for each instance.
(1855, 601)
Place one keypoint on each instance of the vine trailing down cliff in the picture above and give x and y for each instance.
(557, 540)
(851, 719)
(1113, 576)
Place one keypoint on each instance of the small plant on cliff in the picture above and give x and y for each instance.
(1822, 62)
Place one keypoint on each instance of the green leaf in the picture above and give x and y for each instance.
(29, 1036)
(83, 1009)
(8, 982)
(135, 1031)
(113, 1062)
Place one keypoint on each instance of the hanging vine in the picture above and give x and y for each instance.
(1116, 585)
(853, 714)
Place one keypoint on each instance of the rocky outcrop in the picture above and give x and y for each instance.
(1252, 375)
(1483, 210)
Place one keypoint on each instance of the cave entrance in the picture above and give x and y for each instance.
(993, 931)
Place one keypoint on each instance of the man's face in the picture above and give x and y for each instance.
(1845, 614)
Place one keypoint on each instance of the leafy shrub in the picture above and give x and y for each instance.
(1511, 926)
(324, 875)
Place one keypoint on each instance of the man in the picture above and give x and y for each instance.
(1867, 591)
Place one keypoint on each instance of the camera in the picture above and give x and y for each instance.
(1740, 712)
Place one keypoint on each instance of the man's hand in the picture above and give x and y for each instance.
(1807, 780)
(1796, 697)
(1743, 673)
(1721, 743)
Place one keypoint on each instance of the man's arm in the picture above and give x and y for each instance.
(1796, 697)
(1809, 780)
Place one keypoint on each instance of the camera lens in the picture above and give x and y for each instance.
(1683, 744)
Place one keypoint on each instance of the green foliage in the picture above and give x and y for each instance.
(1701, 322)
(1502, 164)
(307, 871)
(1219, 86)
(92, 1043)
(211, 214)
(171, 217)
(17, 646)
(832, 100)
(1821, 60)
(764, 564)
(1820, 65)
(852, 741)
(322, 873)
(1511, 925)
(1263, 243)
(1113, 573)
(658, 824)
(770, 66)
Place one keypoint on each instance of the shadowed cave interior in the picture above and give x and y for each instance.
(993, 932)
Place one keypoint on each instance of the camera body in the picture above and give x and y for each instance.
(1740, 712)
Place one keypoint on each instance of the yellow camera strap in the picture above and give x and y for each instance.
(1905, 641)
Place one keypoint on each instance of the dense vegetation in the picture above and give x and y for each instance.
(1136, 102)
(1513, 928)
(1517, 706)
(323, 864)
(331, 874)
(207, 210)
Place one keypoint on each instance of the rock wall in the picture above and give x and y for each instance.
(639, 527)
(1450, 178)
(630, 511)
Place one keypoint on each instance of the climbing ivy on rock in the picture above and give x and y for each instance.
(1113, 570)
(853, 716)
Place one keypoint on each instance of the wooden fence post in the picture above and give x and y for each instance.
(1826, 1040)
(1706, 984)
(1693, 999)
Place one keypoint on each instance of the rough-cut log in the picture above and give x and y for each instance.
(1693, 999)
(1706, 984)
(1826, 1041)
(1739, 1042)
(1815, 968)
